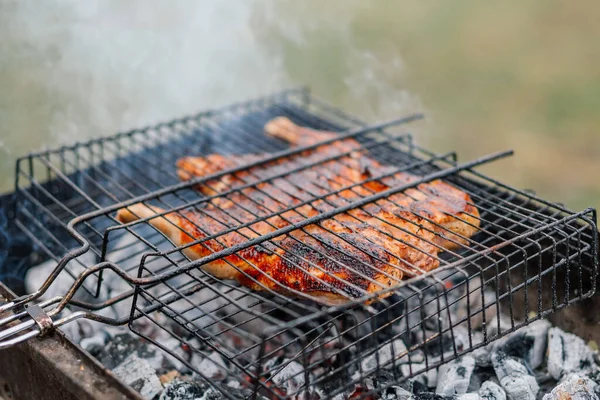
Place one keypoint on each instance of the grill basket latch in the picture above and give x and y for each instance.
(42, 319)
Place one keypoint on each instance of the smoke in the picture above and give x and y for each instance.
(74, 70)
(326, 46)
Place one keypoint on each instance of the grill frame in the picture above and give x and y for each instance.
(588, 215)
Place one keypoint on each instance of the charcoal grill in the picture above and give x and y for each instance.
(529, 259)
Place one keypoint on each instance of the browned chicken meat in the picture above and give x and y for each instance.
(365, 250)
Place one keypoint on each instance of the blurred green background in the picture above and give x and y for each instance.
(489, 75)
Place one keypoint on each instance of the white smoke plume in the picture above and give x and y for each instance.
(72, 70)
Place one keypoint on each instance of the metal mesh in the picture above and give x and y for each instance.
(527, 259)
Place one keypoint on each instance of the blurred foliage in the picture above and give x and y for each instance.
(511, 74)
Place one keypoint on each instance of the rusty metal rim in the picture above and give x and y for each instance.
(77, 371)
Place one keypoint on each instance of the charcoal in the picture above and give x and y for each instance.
(286, 374)
(139, 374)
(435, 310)
(427, 378)
(83, 329)
(476, 319)
(568, 353)
(335, 352)
(514, 377)
(186, 390)
(498, 327)
(119, 347)
(396, 393)
(183, 351)
(387, 356)
(477, 378)
(574, 388)
(291, 378)
(538, 330)
(95, 344)
(483, 355)
(461, 338)
(432, 396)
(528, 343)
(491, 391)
(443, 307)
(381, 378)
(425, 395)
(454, 377)
(333, 384)
(468, 396)
(182, 389)
(212, 367)
(446, 344)
(417, 387)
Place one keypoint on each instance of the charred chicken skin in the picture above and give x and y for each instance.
(365, 250)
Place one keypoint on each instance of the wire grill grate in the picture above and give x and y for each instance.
(527, 259)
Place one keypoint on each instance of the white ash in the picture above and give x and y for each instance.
(178, 349)
(436, 307)
(538, 331)
(568, 353)
(531, 341)
(528, 343)
(396, 393)
(515, 358)
(427, 378)
(180, 389)
(468, 396)
(287, 375)
(479, 377)
(514, 377)
(92, 344)
(387, 356)
(574, 388)
(459, 341)
(111, 348)
(461, 337)
(491, 391)
(139, 374)
(513, 372)
(37, 275)
(454, 377)
(333, 385)
(82, 329)
(212, 367)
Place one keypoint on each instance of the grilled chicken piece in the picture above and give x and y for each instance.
(449, 209)
(365, 250)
